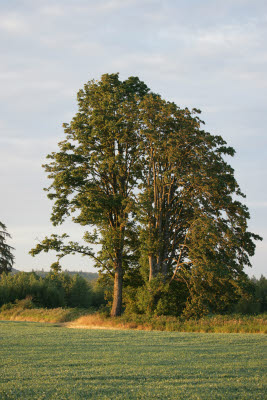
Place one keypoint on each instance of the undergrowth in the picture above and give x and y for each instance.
(215, 323)
(24, 310)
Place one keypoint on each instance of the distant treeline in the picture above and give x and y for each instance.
(68, 290)
(90, 276)
(52, 290)
(256, 301)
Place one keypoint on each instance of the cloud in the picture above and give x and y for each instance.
(89, 7)
(257, 204)
(27, 236)
(28, 79)
(210, 54)
(229, 36)
(13, 24)
(52, 10)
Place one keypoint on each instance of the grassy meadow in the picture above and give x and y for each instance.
(45, 361)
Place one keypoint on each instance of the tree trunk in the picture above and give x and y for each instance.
(117, 292)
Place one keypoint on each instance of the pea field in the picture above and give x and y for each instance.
(48, 361)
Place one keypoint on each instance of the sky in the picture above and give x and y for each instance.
(208, 54)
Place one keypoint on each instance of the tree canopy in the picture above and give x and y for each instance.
(157, 189)
(193, 227)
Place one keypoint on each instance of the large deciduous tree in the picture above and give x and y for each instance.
(6, 256)
(193, 227)
(153, 183)
(94, 173)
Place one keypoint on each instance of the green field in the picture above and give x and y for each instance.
(43, 361)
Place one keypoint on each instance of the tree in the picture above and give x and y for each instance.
(159, 192)
(193, 227)
(94, 174)
(6, 256)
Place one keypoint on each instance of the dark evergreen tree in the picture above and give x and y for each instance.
(6, 256)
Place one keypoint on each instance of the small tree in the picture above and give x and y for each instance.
(6, 256)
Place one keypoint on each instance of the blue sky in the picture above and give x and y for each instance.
(207, 54)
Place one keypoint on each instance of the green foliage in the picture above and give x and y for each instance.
(55, 290)
(256, 300)
(260, 292)
(156, 298)
(165, 203)
(94, 175)
(193, 229)
(6, 256)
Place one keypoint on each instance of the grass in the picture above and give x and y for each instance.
(212, 324)
(55, 315)
(44, 361)
(23, 311)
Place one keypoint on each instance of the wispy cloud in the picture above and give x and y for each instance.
(89, 7)
(14, 24)
(257, 204)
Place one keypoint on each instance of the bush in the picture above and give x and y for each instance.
(156, 298)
